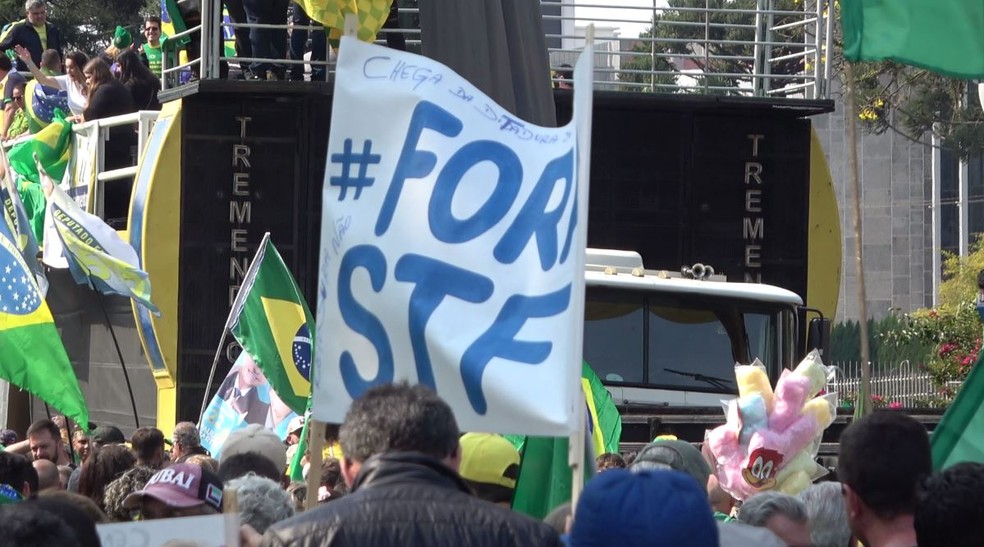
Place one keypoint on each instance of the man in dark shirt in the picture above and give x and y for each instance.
(34, 33)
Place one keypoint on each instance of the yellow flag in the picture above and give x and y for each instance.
(331, 13)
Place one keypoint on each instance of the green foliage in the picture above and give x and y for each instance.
(885, 349)
(954, 328)
(685, 33)
(86, 25)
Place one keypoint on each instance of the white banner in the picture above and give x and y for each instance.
(452, 246)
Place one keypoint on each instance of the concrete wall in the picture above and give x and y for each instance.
(896, 177)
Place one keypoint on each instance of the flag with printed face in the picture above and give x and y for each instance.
(32, 356)
(94, 251)
(272, 322)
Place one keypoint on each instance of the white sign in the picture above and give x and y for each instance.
(206, 531)
(452, 246)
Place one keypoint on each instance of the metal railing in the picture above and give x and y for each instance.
(903, 384)
(780, 48)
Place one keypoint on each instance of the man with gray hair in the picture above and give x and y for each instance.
(185, 442)
(261, 501)
(781, 513)
(825, 508)
(34, 33)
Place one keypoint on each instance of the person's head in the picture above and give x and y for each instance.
(80, 442)
(106, 435)
(118, 490)
(609, 460)
(294, 429)
(133, 69)
(238, 465)
(258, 439)
(5, 66)
(184, 440)
(15, 471)
(64, 474)
(81, 523)
(950, 507)
(261, 501)
(152, 30)
(628, 509)
(490, 466)
(105, 465)
(148, 446)
(51, 61)
(96, 73)
(8, 437)
(720, 501)
(783, 514)
(398, 418)
(250, 374)
(883, 458)
(87, 506)
(17, 95)
(673, 454)
(824, 503)
(28, 524)
(75, 61)
(47, 475)
(205, 461)
(43, 435)
(37, 12)
(182, 490)
(565, 77)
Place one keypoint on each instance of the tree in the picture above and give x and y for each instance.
(86, 25)
(718, 42)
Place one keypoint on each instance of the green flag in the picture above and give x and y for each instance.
(959, 437)
(272, 322)
(32, 356)
(944, 36)
(544, 474)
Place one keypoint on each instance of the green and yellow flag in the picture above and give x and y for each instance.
(959, 437)
(272, 322)
(331, 13)
(544, 475)
(944, 36)
(53, 148)
(32, 356)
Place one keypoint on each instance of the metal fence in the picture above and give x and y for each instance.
(901, 383)
(746, 48)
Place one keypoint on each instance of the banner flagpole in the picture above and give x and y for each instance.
(236, 305)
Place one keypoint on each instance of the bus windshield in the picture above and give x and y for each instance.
(682, 342)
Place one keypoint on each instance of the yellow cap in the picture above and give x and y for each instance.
(489, 458)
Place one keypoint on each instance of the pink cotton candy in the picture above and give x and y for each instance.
(791, 393)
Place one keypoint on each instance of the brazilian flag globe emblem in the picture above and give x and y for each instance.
(32, 356)
(273, 324)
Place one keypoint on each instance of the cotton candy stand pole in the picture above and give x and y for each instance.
(316, 445)
(861, 406)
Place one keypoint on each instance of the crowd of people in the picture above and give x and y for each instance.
(405, 475)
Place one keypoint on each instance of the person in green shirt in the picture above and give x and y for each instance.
(152, 48)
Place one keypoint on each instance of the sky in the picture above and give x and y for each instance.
(641, 17)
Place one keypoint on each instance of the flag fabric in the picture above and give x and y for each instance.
(959, 437)
(545, 474)
(944, 36)
(20, 223)
(94, 251)
(271, 321)
(53, 148)
(32, 356)
(42, 104)
(331, 13)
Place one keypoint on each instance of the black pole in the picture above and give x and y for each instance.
(112, 332)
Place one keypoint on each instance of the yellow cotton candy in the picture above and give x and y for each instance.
(821, 409)
(752, 380)
(802, 462)
(812, 368)
(794, 483)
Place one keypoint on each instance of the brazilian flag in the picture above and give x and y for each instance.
(272, 323)
(32, 356)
